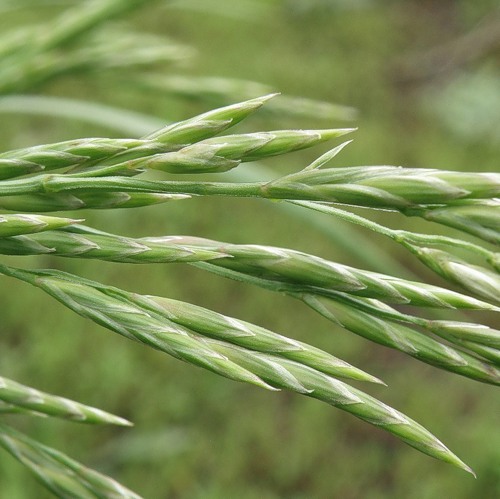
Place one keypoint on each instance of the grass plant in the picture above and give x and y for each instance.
(361, 301)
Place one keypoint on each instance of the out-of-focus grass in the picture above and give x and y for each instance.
(199, 436)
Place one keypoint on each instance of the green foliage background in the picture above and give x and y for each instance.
(198, 435)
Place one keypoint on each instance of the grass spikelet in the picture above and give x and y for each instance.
(25, 397)
(480, 218)
(210, 123)
(477, 280)
(250, 336)
(334, 392)
(407, 340)
(62, 475)
(14, 225)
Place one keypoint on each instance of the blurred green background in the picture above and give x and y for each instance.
(424, 76)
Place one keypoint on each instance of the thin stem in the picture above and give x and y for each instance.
(16, 273)
(61, 183)
(402, 237)
(347, 216)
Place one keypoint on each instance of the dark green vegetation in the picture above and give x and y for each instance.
(197, 435)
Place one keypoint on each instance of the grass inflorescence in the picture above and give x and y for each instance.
(103, 173)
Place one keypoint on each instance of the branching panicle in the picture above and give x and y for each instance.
(103, 173)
